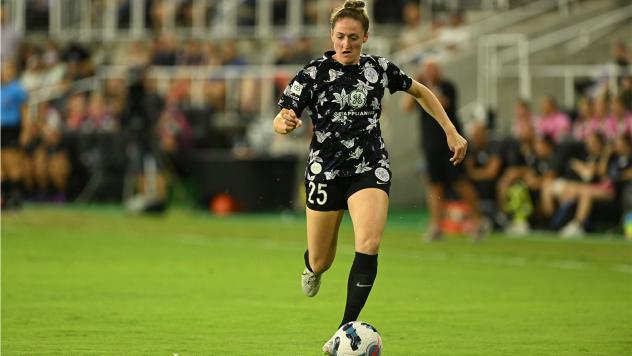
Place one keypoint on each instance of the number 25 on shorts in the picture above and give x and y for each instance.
(321, 194)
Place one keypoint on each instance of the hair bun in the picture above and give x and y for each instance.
(354, 4)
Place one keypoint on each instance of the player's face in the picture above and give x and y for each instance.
(348, 37)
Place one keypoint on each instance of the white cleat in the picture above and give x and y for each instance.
(310, 282)
(572, 230)
(328, 348)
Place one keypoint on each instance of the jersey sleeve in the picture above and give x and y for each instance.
(299, 92)
(397, 79)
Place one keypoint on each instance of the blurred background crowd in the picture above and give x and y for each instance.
(115, 99)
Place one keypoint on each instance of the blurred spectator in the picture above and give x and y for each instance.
(552, 122)
(33, 76)
(75, 114)
(441, 175)
(291, 51)
(514, 199)
(303, 50)
(54, 68)
(615, 172)
(583, 124)
(78, 62)
(562, 193)
(164, 51)
(454, 35)
(412, 32)
(483, 166)
(10, 38)
(619, 55)
(100, 116)
(231, 55)
(174, 130)
(524, 119)
(284, 52)
(620, 118)
(14, 120)
(51, 161)
(310, 12)
(134, 55)
(192, 54)
(626, 92)
(600, 123)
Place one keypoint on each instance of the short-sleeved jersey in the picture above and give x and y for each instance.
(344, 103)
(13, 97)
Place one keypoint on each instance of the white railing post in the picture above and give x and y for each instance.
(110, 25)
(264, 18)
(18, 16)
(523, 65)
(137, 18)
(198, 26)
(294, 17)
(168, 16)
(54, 18)
(85, 22)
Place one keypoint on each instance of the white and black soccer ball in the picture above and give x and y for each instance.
(357, 338)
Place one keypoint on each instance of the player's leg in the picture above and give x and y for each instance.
(368, 209)
(322, 238)
(325, 203)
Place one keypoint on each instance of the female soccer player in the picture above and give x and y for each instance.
(348, 164)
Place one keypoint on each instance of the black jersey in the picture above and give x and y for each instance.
(344, 103)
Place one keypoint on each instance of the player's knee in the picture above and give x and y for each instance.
(320, 264)
(369, 244)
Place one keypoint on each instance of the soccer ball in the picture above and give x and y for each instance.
(357, 338)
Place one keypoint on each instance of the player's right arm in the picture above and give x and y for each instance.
(286, 122)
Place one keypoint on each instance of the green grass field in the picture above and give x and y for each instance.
(92, 281)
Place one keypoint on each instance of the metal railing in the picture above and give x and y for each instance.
(496, 52)
(264, 78)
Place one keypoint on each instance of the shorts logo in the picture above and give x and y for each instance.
(371, 75)
(357, 99)
(316, 168)
(382, 174)
(297, 88)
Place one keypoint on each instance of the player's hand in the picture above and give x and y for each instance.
(458, 145)
(287, 121)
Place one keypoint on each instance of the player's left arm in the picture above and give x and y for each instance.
(430, 103)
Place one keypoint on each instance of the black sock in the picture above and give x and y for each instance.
(359, 285)
(306, 256)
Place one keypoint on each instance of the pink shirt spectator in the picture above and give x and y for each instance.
(581, 129)
(521, 125)
(617, 127)
(556, 125)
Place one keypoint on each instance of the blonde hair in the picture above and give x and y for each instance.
(354, 9)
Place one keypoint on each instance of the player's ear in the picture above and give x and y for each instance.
(366, 37)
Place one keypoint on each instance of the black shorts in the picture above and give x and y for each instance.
(440, 169)
(10, 136)
(332, 195)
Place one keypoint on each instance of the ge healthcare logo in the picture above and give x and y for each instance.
(357, 99)
(382, 174)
